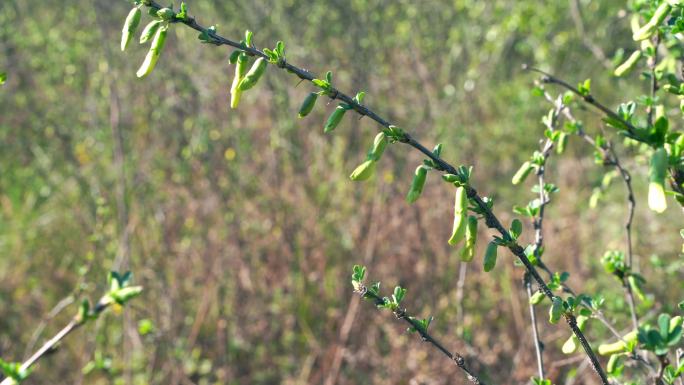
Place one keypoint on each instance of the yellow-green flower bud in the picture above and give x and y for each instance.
(131, 24)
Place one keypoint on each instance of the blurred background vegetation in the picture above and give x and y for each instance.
(243, 226)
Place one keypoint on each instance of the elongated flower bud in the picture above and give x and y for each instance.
(490, 256)
(379, 144)
(656, 186)
(649, 28)
(149, 31)
(618, 346)
(537, 297)
(240, 71)
(308, 104)
(364, 171)
(154, 52)
(635, 285)
(613, 363)
(570, 346)
(334, 119)
(417, 184)
(629, 64)
(254, 74)
(468, 251)
(461, 203)
(562, 143)
(522, 173)
(458, 230)
(131, 24)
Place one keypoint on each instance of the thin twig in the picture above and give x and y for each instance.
(610, 158)
(677, 182)
(490, 219)
(652, 63)
(403, 315)
(588, 98)
(538, 345)
(460, 289)
(679, 354)
(538, 223)
(50, 345)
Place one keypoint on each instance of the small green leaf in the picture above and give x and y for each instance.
(248, 38)
(399, 294)
(145, 326)
(516, 228)
(556, 310)
(537, 297)
(584, 88)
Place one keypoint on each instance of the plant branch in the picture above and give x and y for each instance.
(50, 345)
(538, 345)
(538, 223)
(490, 219)
(610, 158)
(588, 98)
(403, 315)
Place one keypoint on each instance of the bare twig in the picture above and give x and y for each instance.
(538, 345)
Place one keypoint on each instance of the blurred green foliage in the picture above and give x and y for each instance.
(242, 224)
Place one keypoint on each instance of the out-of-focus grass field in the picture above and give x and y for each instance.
(242, 225)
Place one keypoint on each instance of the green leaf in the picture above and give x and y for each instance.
(556, 310)
(537, 297)
(399, 294)
(584, 88)
(516, 228)
(248, 38)
(13, 370)
(183, 14)
(145, 326)
(3, 78)
(206, 35)
(358, 273)
(122, 296)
